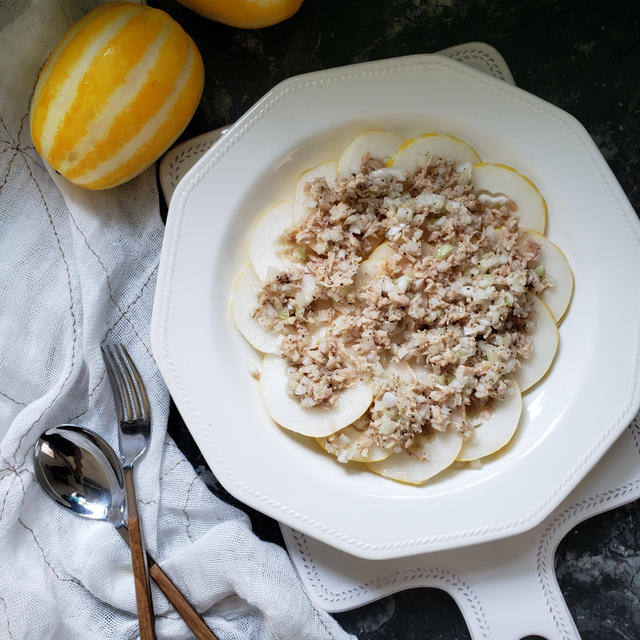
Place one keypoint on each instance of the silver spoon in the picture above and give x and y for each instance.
(80, 471)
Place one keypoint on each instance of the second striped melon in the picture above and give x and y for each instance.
(115, 94)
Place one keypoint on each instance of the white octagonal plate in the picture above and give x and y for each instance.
(570, 419)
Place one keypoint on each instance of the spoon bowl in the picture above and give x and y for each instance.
(80, 471)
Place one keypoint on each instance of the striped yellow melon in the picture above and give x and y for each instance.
(246, 14)
(117, 91)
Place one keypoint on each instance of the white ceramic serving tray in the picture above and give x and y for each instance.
(571, 418)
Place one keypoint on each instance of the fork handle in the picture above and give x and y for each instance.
(144, 603)
(173, 594)
(140, 576)
(197, 625)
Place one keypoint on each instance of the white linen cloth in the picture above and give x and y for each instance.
(78, 268)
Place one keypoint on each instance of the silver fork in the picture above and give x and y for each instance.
(134, 420)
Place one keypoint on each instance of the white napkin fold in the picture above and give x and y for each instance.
(78, 268)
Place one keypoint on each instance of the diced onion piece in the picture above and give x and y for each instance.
(444, 250)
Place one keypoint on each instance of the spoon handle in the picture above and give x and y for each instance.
(197, 625)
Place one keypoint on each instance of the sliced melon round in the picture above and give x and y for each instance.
(316, 422)
(429, 455)
(410, 156)
(543, 350)
(345, 445)
(379, 144)
(244, 301)
(496, 431)
(301, 200)
(502, 180)
(558, 273)
(266, 250)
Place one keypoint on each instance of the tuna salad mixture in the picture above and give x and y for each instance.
(436, 319)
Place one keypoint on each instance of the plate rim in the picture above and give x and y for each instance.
(278, 510)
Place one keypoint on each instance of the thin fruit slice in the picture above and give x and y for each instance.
(543, 350)
(558, 272)
(496, 431)
(301, 200)
(244, 302)
(410, 156)
(345, 445)
(266, 249)
(379, 144)
(430, 455)
(502, 180)
(316, 422)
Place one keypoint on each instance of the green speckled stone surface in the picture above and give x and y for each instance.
(582, 56)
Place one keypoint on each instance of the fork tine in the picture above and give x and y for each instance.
(130, 385)
(120, 388)
(120, 397)
(139, 386)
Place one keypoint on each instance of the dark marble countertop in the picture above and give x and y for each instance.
(583, 56)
